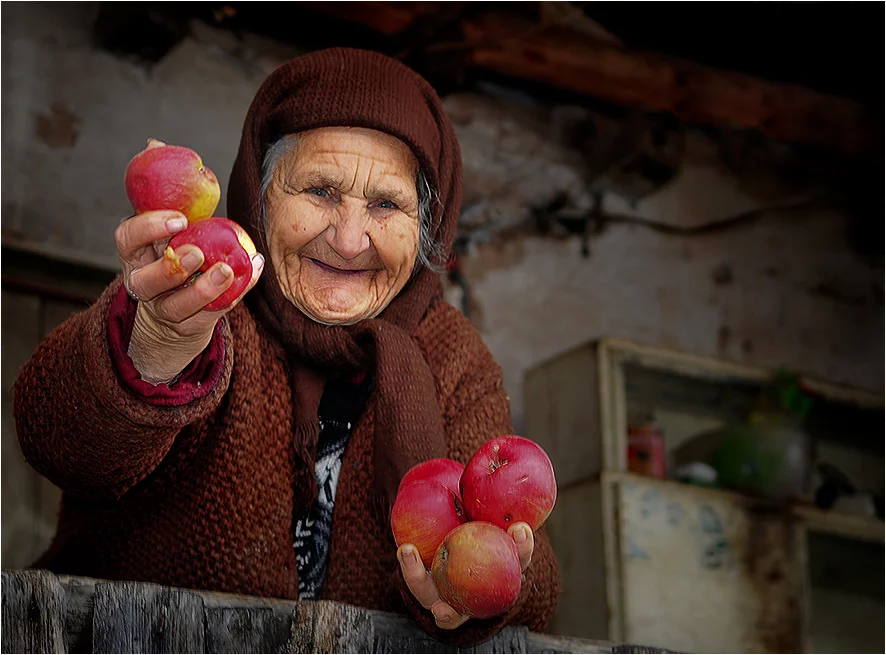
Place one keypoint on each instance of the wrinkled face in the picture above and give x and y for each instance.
(342, 222)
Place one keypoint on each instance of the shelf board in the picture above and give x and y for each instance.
(865, 528)
(718, 369)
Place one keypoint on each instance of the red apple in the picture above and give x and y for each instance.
(221, 240)
(171, 177)
(424, 512)
(477, 570)
(509, 479)
(446, 471)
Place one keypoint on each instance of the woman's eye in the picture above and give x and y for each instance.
(319, 192)
(386, 204)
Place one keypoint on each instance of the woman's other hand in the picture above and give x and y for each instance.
(422, 586)
(171, 327)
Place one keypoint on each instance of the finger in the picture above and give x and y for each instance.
(447, 618)
(166, 273)
(142, 230)
(181, 305)
(258, 265)
(525, 541)
(417, 578)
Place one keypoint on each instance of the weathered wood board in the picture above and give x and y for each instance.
(33, 613)
(246, 630)
(43, 613)
(136, 618)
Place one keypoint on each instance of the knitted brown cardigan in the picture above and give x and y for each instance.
(203, 494)
(200, 495)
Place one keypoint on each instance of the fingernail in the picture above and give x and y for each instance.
(443, 618)
(521, 536)
(259, 262)
(408, 553)
(191, 260)
(174, 225)
(220, 274)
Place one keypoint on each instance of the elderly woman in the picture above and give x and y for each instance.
(258, 450)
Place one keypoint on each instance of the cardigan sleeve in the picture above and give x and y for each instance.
(85, 423)
(194, 382)
(478, 410)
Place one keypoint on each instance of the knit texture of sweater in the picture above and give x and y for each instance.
(198, 492)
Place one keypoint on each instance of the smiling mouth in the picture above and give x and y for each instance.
(333, 269)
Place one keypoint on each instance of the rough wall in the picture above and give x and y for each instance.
(74, 115)
(778, 293)
(781, 286)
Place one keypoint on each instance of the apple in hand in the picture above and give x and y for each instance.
(221, 240)
(424, 512)
(477, 570)
(428, 506)
(171, 177)
(446, 471)
(509, 479)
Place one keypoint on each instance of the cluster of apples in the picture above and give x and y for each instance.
(457, 517)
(166, 176)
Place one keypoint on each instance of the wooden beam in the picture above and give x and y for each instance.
(388, 18)
(692, 92)
(565, 58)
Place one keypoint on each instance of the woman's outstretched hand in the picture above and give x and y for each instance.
(422, 586)
(171, 327)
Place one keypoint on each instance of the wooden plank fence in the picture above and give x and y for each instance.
(45, 613)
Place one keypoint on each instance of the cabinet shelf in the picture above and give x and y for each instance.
(865, 528)
(691, 568)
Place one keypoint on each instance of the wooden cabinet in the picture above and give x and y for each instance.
(38, 294)
(702, 572)
(841, 566)
(677, 566)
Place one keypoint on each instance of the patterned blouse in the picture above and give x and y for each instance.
(339, 410)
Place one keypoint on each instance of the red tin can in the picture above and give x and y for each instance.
(646, 451)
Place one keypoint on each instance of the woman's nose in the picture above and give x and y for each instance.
(347, 235)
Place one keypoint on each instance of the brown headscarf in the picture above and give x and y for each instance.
(355, 88)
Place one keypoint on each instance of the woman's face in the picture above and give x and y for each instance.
(342, 222)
